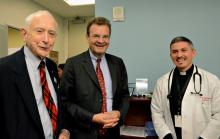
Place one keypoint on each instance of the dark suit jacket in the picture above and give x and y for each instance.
(82, 95)
(19, 118)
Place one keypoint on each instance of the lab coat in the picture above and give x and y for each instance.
(200, 114)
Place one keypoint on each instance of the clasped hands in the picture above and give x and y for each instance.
(107, 119)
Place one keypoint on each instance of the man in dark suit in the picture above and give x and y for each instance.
(83, 91)
(24, 114)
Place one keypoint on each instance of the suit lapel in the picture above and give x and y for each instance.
(54, 78)
(53, 75)
(87, 64)
(25, 88)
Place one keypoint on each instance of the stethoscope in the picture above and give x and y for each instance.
(196, 77)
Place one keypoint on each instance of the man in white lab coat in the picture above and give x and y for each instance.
(186, 101)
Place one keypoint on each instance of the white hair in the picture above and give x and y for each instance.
(29, 18)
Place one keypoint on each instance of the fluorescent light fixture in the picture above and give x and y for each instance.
(79, 2)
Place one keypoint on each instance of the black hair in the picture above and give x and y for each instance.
(181, 39)
(99, 21)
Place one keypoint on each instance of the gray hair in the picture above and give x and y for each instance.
(29, 18)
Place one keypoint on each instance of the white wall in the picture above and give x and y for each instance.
(77, 37)
(14, 12)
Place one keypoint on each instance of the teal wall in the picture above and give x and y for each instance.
(142, 40)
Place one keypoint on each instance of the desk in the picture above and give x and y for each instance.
(139, 112)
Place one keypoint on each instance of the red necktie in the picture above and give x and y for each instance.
(101, 84)
(48, 100)
(101, 81)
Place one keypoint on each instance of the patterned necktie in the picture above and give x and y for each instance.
(101, 84)
(101, 81)
(48, 100)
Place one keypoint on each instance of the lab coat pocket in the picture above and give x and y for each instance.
(206, 101)
(206, 108)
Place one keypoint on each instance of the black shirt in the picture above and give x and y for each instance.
(178, 88)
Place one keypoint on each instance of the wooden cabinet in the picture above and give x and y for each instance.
(138, 113)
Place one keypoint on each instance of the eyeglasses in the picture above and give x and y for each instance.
(97, 37)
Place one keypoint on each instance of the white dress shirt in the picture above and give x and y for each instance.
(32, 63)
(107, 78)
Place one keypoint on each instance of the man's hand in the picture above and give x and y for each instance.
(114, 115)
(64, 134)
(107, 119)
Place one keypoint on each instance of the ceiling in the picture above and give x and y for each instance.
(63, 9)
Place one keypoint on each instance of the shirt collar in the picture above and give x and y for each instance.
(93, 57)
(188, 72)
(34, 60)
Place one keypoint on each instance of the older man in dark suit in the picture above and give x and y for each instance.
(29, 98)
(94, 87)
